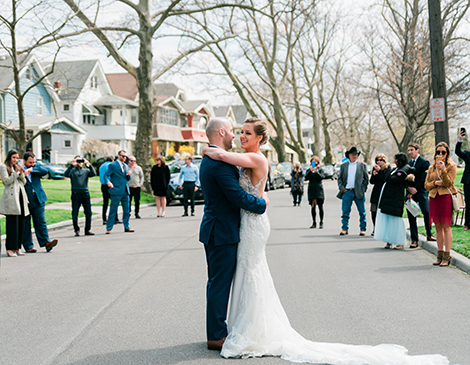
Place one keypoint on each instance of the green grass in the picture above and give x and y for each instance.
(59, 191)
(144, 199)
(52, 216)
(460, 239)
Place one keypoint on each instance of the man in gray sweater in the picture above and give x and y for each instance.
(135, 184)
(80, 195)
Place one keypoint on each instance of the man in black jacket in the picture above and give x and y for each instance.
(417, 192)
(80, 194)
(465, 155)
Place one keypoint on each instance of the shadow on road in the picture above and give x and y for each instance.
(168, 355)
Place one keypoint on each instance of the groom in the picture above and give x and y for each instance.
(219, 231)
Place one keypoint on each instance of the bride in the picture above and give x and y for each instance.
(257, 323)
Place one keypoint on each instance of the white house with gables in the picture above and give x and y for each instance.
(87, 98)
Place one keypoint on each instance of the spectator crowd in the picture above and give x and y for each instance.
(423, 187)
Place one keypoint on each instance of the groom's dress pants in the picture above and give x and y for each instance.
(221, 263)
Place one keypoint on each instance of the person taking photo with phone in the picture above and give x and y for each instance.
(440, 183)
(80, 195)
(316, 195)
(14, 203)
(464, 155)
(297, 185)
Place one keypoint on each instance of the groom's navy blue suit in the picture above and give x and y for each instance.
(220, 234)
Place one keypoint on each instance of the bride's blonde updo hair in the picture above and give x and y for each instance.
(260, 127)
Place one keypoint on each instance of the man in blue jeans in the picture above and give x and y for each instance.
(352, 183)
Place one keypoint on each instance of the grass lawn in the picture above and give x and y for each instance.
(52, 216)
(59, 191)
(460, 241)
(144, 199)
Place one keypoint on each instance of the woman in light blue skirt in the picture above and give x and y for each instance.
(389, 225)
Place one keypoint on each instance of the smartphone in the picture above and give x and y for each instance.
(463, 131)
(439, 158)
(313, 163)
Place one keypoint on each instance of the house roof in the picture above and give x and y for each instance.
(38, 122)
(123, 85)
(166, 89)
(240, 112)
(73, 76)
(194, 105)
(221, 111)
(113, 100)
(6, 69)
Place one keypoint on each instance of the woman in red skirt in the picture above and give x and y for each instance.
(440, 183)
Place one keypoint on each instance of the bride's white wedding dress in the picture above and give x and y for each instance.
(258, 324)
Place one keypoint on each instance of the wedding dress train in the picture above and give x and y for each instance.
(258, 325)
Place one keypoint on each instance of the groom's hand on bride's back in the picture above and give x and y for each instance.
(265, 197)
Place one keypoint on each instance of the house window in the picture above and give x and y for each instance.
(183, 121)
(305, 133)
(66, 107)
(94, 82)
(67, 143)
(168, 116)
(29, 74)
(39, 105)
(134, 116)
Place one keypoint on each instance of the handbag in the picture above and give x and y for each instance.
(455, 201)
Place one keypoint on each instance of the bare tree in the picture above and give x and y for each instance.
(13, 24)
(144, 23)
(399, 58)
(258, 62)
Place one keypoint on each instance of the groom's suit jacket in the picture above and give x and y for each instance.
(223, 199)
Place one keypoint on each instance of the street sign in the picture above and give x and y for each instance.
(438, 112)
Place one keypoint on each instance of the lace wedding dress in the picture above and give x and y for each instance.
(258, 324)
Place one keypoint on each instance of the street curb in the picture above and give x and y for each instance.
(457, 260)
(69, 222)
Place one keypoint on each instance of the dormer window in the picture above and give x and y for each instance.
(94, 82)
(29, 74)
(39, 104)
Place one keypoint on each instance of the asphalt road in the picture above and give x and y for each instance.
(139, 298)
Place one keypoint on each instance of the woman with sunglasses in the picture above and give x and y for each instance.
(378, 181)
(440, 183)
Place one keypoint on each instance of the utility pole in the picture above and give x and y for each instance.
(441, 128)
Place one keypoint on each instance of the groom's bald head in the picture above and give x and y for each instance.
(219, 132)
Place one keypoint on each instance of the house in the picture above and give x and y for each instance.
(88, 99)
(63, 136)
(179, 123)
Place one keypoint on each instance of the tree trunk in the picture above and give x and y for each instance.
(143, 140)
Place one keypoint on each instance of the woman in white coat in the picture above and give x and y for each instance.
(14, 202)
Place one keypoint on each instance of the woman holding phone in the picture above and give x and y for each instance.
(440, 183)
(297, 185)
(14, 202)
(316, 196)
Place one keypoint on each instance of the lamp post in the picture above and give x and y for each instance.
(441, 128)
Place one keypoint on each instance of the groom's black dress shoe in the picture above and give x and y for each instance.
(215, 345)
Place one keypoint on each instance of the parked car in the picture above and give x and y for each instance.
(174, 192)
(305, 167)
(329, 172)
(275, 181)
(284, 169)
(337, 168)
(97, 164)
(54, 171)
